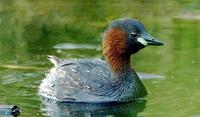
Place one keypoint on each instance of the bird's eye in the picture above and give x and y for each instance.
(134, 34)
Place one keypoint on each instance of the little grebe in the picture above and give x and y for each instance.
(99, 81)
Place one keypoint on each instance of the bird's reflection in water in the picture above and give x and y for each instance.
(63, 109)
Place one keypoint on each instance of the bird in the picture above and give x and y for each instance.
(88, 80)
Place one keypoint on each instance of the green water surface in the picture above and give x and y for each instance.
(29, 30)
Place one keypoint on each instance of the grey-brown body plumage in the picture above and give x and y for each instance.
(89, 80)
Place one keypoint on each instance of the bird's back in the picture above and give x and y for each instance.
(84, 80)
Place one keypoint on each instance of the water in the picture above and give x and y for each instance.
(30, 29)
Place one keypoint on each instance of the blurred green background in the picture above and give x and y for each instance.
(30, 29)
